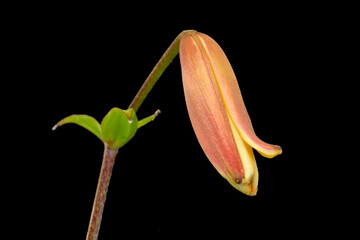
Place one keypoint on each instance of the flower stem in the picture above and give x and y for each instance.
(101, 191)
(110, 154)
(159, 68)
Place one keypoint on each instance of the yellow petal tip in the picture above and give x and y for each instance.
(277, 150)
(248, 189)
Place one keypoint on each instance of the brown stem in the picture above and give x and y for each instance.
(101, 191)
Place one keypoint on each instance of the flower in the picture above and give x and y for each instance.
(218, 113)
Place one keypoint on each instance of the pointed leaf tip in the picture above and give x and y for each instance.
(145, 121)
(54, 127)
(85, 121)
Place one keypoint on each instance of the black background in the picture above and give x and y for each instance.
(88, 59)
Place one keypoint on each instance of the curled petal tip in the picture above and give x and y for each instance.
(276, 150)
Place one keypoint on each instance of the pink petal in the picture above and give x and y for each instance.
(209, 116)
(230, 92)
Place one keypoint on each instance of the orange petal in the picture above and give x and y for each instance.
(209, 116)
(230, 92)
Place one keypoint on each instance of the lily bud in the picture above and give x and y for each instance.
(218, 113)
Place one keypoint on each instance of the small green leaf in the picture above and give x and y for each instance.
(145, 121)
(84, 121)
(118, 127)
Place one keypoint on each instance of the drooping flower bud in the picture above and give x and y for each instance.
(218, 113)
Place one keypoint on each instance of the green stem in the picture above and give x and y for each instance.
(101, 191)
(159, 68)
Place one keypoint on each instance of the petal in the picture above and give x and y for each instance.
(251, 179)
(208, 114)
(231, 94)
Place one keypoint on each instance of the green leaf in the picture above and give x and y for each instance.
(84, 121)
(118, 127)
(145, 121)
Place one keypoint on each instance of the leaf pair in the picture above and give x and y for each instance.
(115, 130)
